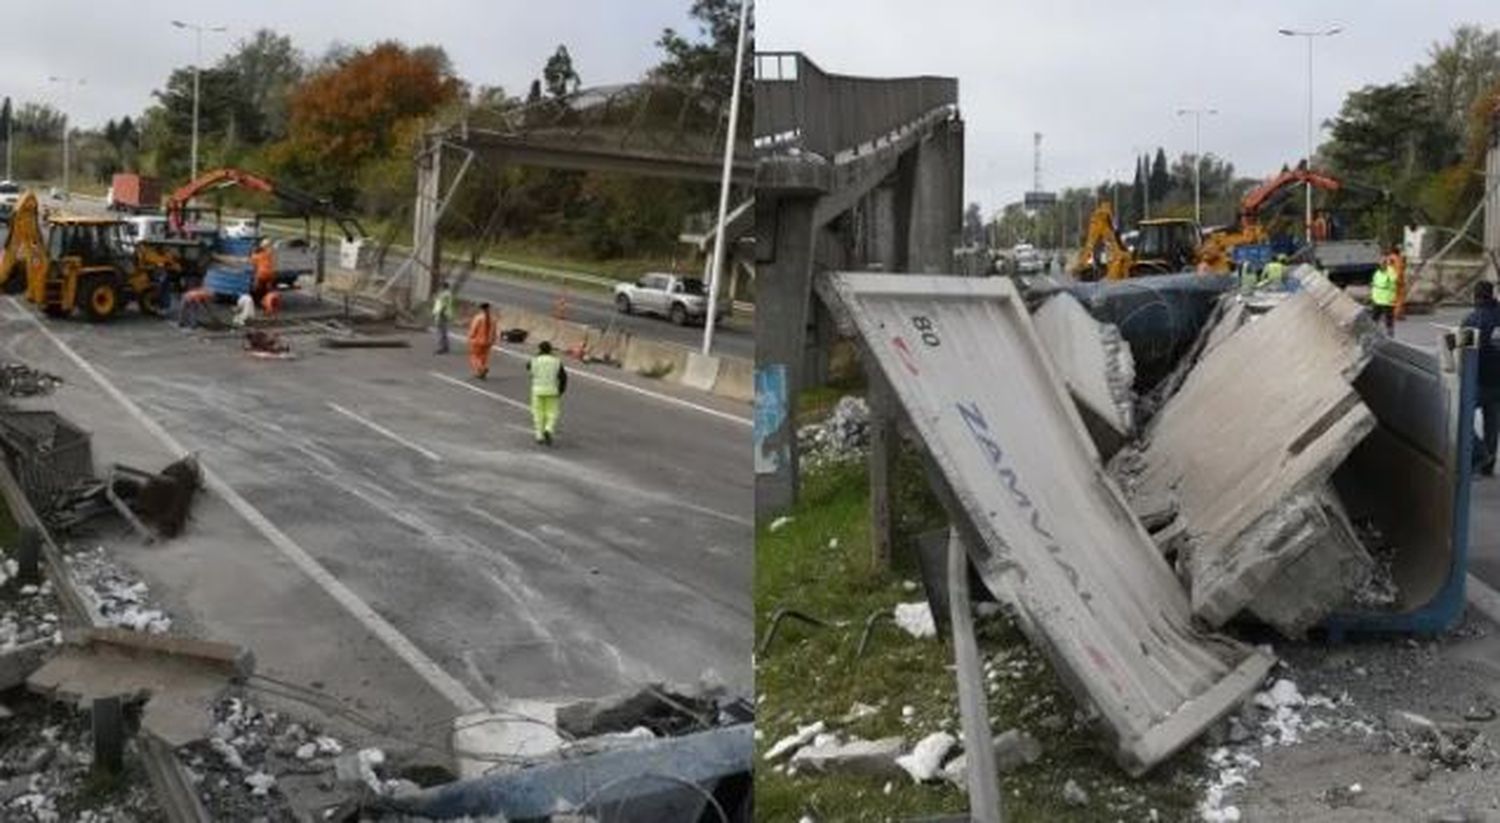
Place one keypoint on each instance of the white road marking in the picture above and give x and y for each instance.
(441, 682)
(473, 388)
(379, 429)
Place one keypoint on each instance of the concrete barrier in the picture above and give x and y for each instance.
(655, 359)
(729, 377)
(701, 371)
(736, 379)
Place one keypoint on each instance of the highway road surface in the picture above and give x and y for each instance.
(381, 526)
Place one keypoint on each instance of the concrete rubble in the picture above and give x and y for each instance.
(843, 435)
(1049, 532)
(1248, 445)
(1095, 364)
(177, 678)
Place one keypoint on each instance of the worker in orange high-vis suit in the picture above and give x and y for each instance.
(481, 340)
(264, 265)
(1397, 263)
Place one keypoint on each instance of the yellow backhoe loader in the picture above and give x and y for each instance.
(80, 264)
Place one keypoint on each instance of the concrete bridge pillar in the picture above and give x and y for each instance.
(786, 239)
(424, 225)
(935, 219)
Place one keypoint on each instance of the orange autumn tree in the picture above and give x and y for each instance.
(361, 110)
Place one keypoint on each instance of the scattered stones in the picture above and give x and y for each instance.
(778, 524)
(916, 619)
(1074, 795)
(874, 758)
(1015, 748)
(120, 597)
(843, 435)
(925, 761)
(1479, 714)
(789, 744)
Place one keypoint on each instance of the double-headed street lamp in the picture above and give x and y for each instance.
(68, 83)
(1310, 36)
(197, 59)
(1197, 158)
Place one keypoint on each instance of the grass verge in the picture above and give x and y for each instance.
(819, 563)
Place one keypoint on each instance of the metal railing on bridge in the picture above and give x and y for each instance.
(798, 106)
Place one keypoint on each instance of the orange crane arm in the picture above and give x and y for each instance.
(1257, 197)
(218, 178)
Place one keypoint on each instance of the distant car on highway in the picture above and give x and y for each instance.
(10, 194)
(143, 227)
(242, 228)
(679, 299)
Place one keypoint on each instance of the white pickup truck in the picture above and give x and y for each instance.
(680, 299)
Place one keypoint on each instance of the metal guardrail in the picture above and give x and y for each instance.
(798, 105)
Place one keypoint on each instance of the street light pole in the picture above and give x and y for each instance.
(1197, 158)
(67, 82)
(729, 139)
(197, 61)
(1309, 35)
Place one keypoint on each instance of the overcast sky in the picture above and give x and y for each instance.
(125, 50)
(1102, 80)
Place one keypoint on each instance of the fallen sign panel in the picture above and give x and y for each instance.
(1049, 531)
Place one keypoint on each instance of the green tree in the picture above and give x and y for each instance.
(707, 63)
(1458, 73)
(38, 122)
(349, 115)
(1161, 179)
(559, 74)
(265, 68)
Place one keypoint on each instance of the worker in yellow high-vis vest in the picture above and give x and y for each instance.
(548, 382)
(1383, 297)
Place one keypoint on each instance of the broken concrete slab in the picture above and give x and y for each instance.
(651, 705)
(522, 732)
(1263, 419)
(1324, 577)
(1095, 364)
(870, 758)
(18, 663)
(1049, 531)
(178, 677)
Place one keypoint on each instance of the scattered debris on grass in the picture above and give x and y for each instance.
(916, 619)
(123, 600)
(46, 760)
(844, 435)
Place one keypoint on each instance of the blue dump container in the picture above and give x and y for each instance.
(1159, 316)
(1255, 255)
(235, 246)
(1411, 478)
(229, 279)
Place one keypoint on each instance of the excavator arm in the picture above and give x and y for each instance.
(1103, 254)
(24, 261)
(300, 202)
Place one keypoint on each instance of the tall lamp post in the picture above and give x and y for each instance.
(1197, 158)
(1310, 35)
(729, 139)
(198, 31)
(68, 83)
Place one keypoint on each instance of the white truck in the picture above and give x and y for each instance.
(679, 299)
